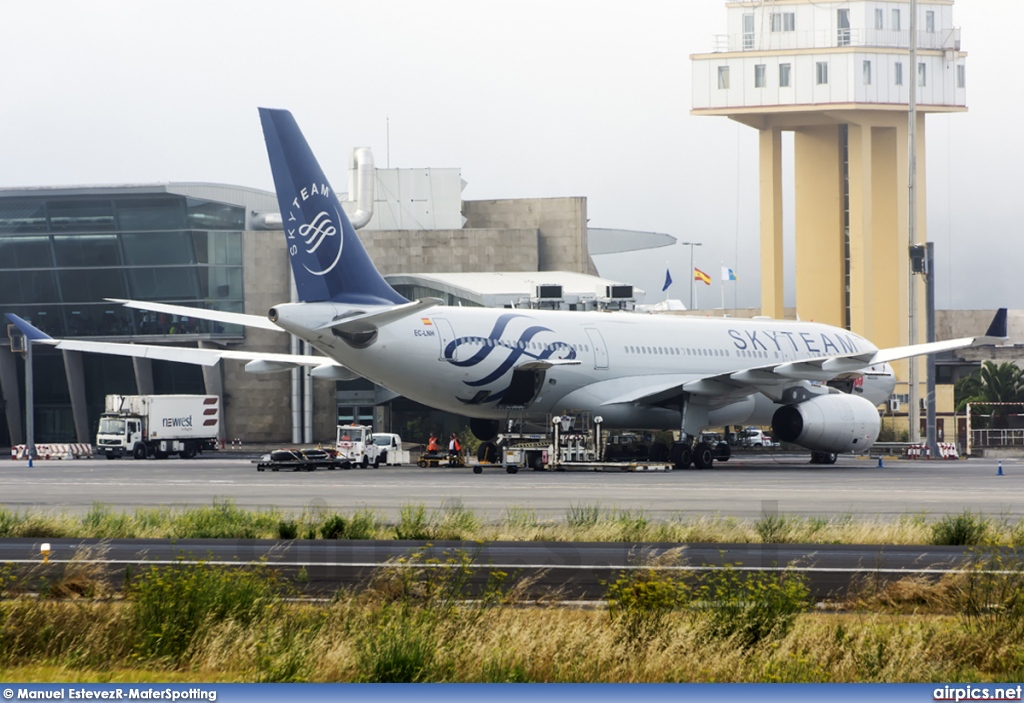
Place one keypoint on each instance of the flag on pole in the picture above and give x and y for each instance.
(668, 281)
(728, 274)
(699, 275)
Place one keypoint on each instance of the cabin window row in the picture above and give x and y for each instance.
(689, 351)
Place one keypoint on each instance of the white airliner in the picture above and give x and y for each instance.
(816, 385)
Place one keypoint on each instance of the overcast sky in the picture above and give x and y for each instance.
(529, 98)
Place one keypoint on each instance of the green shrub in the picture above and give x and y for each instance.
(413, 523)
(963, 529)
(333, 527)
(640, 600)
(456, 522)
(581, 515)
(171, 607)
(773, 528)
(750, 607)
(397, 646)
(362, 525)
(287, 529)
(224, 520)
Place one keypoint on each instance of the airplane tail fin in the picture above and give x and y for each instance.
(328, 260)
(998, 327)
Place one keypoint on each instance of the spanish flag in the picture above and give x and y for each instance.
(699, 275)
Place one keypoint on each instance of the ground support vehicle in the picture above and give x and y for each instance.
(389, 449)
(355, 446)
(301, 460)
(434, 459)
(573, 443)
(157, 426)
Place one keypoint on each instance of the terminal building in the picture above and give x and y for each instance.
(65, 251)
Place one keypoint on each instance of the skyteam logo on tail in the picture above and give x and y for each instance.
(316, 244)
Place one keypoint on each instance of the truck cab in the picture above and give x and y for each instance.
(355, 445)
(120, 435)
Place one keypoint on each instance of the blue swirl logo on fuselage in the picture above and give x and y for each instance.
(514, 348)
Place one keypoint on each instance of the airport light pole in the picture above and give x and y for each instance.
(691, 245)
(913, 412)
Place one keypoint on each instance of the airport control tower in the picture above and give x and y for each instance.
(836, 73)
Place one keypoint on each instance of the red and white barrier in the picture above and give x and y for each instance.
(53, 451)
(947, 450)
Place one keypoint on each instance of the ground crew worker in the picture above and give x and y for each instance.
(432, 447)
(453, 446)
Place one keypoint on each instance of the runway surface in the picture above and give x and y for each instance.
(745, 487)
(576, 569)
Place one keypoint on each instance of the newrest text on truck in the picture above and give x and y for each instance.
(157, 426)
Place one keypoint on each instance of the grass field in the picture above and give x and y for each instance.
(198, 622)
(582, 522)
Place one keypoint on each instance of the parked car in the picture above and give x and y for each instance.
(755, 437)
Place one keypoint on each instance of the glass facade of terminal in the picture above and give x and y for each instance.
(61, 255)
(59, 259)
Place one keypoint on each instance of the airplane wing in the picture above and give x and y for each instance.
(733, 385)
(259, 362)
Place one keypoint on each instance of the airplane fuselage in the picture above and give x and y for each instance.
(488, 363)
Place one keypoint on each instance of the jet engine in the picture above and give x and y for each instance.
(833, 423)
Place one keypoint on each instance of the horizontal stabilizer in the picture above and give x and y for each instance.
(362, 321)
(228, 318)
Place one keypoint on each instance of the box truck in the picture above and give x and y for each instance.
(157, 426)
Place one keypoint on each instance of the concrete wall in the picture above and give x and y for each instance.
(453, 251)
(562, 223)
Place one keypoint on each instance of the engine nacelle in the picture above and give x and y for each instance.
(829, 423)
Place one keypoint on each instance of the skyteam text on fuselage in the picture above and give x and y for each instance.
(817, 385)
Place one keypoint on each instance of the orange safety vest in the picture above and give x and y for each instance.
(432, 445)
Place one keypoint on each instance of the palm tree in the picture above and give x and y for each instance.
(992, 384)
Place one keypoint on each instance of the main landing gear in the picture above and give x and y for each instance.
(823, 458)
(688, 452)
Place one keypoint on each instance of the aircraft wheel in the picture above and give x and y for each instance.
(722, 451)
(478, 469)
(703, 458)
(816, 458)
(681, 455)
(830, 458)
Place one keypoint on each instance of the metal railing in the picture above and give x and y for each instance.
(997, 438)
(944, 40)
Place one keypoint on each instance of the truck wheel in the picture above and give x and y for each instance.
(366, 461)
(188, 452)
(139, 452)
